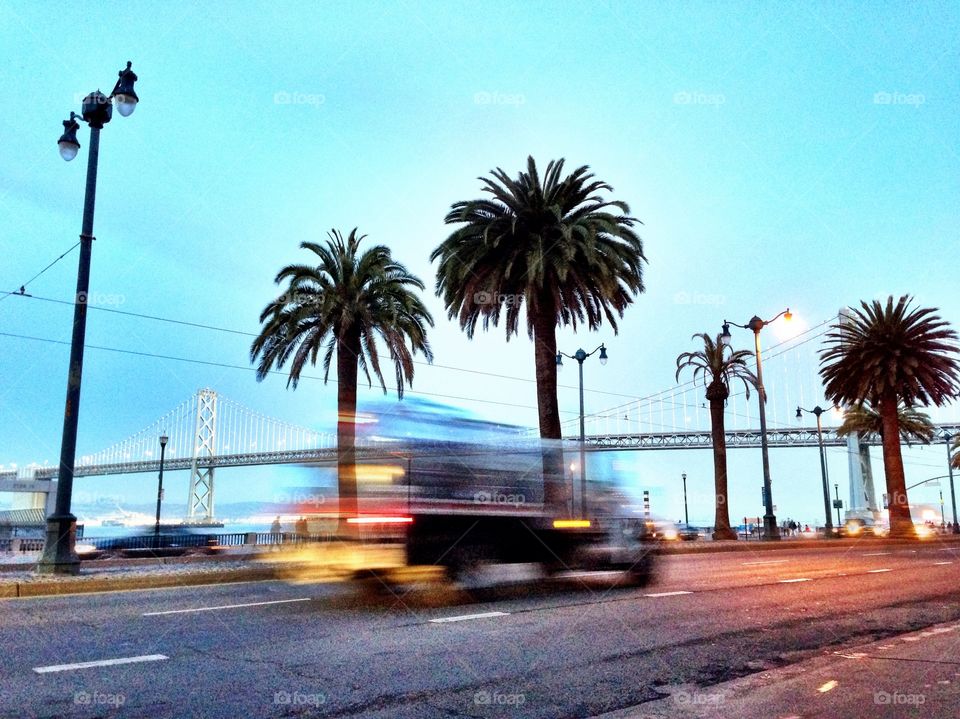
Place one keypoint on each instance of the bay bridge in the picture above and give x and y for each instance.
(208, 431)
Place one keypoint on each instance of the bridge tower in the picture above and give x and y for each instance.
(200, 501)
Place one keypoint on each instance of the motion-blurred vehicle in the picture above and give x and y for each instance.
(471, 493)
(688, 532)
(857, 527)
(170, 537)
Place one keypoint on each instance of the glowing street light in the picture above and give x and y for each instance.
(770, 528)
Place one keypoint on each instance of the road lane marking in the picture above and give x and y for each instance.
(790, 581)
(824, 688)
(667, 594)
(939, 563)
(875, 554)
(223, 606)
(466, 617)
(767, 561)
(100, 663)
(878, 571)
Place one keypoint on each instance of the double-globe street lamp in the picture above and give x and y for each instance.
(953, 497)
(59, 555)
(824, 475)
(580, 356)
(770, 529)
(156, 527)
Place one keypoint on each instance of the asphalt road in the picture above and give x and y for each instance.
(342, 651)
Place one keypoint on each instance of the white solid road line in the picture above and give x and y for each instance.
(224, 606)
(791, 581)
(101, 663)
(667, 594)
(767, 561)
(466, 617)
(878, 571)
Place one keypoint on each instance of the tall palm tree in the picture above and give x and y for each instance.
(553, 246)
(864, 421)
(342, 306)
(718, 365)
(886, 354)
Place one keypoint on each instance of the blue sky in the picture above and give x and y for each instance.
(802, 155)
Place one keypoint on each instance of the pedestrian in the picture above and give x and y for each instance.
(275, 528)
(301, 529)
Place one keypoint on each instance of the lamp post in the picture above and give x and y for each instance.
(836, 491)
(156, 528)
(824, 475)
(580, 356)
(59, 555)
(770, 529)
(686, 517)
(953, 497)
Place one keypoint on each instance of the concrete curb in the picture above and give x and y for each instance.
(82, 585)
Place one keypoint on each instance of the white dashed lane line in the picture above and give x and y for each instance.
(766, 561)
(223, 606)
(792, 581)
(875, 554)
(467, 617)
(878, 571)
(100, 663)
(941, 563)
(667, 594)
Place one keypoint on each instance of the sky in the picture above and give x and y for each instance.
(801, 155)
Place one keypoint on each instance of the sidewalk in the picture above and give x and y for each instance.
(911, 675)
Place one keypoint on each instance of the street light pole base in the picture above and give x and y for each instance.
(59, 556)
(771, 532)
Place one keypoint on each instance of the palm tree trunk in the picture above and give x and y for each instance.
(721, 522)
(901, 524)
(556, 491)
(348, 352)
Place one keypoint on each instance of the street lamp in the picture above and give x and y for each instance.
(580, 356)
(163, 448)
(686, 517)
(837, 503)
(59, 555)
(953, 497)
(824, 475)
(770, 528)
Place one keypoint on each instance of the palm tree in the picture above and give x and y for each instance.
(888, 354)
(341, 306)
(864, 421)
(553, 246)
(718, 364)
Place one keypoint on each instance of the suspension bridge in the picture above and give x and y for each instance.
(208, 431)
